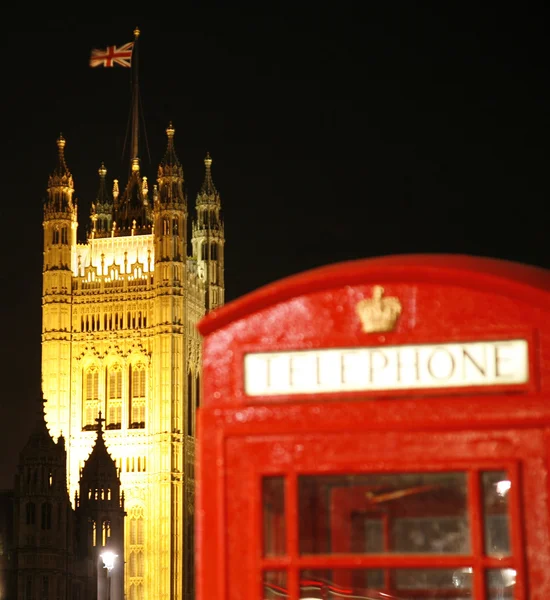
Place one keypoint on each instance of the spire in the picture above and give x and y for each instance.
(99, 466)
(170, 175)
(60, 183)
(208, 192)
(103, 196)
(101, 213)
(61, 170)
(170, 159)
(208, 188)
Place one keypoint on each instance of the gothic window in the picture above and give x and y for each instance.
(94, 533)
(165, 227)
(136, 543)
(214, 252)
(55, 236)
(136, 526)
(204, 252)
(46, 516)
(30, 513)
(114, 398)
(197, 391)
(175, 227)
(106, 532)
(90, 407)
(137, 396)
(64, 236)
(189, 416)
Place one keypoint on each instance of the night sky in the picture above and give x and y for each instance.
(358, 130)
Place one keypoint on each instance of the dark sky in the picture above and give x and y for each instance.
(364, 130)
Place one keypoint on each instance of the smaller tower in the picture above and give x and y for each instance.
(208, 240)
(43, 548)
(100, 518)
(60, 228)
(101, 214)
(170, 214)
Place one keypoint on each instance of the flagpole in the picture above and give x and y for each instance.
(135, 98)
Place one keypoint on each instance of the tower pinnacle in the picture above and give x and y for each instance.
(60, 184)
(208, 186)
(61, 173)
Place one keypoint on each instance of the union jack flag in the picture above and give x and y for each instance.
(112, 56)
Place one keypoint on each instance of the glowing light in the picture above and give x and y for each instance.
(109, 559)
(509, 577)
(503, 487)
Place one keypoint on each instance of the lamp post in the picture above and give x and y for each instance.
(109, 559)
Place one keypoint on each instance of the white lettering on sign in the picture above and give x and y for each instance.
(387, 368)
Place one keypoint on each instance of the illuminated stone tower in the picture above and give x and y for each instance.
(119, 336)
(208, 239)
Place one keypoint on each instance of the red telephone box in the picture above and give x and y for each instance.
(378, 429)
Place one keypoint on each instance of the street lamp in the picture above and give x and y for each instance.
(109, 559)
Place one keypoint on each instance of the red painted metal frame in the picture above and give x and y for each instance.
(241, 438)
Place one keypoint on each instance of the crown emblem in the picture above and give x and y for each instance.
(378, 313)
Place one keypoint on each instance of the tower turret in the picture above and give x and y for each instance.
(170, 214)
(60, 229)
(101, 214)
(171, 316)
(42, 511)
(100, 517)
(208, 239)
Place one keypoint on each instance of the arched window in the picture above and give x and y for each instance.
(204, 252)
(64, 236)
(137, 396)
(114, 398)
(106, 532)
(94, 533)
(90, 407)
(214, 251)
(55, 236)
(197, 391)
(189, 415)
(46, 516)
(136, 571)
(30, 513)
